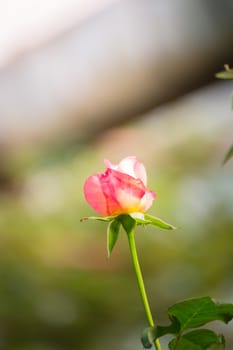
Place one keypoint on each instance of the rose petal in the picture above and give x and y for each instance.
(140, 172)
(124, 190)
(130, 166)
(146, 201)
(94, 194)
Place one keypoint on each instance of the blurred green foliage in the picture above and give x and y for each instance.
(227, 74)
(59, 291)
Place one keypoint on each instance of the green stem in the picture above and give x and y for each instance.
(141, 286)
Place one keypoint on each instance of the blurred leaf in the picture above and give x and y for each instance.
(228, 155)
(225, 74)
(202, 339)
(112, 235)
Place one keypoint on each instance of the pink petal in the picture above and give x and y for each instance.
(108, 185)
(109, 165)
(140, 172)
(130, 166)
(146, 201)
(124, 190)
(94, 194)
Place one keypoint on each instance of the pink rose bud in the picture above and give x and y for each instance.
(120, 190)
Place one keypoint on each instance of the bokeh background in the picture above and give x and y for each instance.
(81, 81)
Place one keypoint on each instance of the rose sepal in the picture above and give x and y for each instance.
(128, 222)
(99, 218)
(139, 218)
(112, 235)
(146, 219)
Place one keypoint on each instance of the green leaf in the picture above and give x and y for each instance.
(112, 235)
(183, 344)
(150, 334)
(99, 218)
(191, 313)
(202, 339)
(196, 312)
(158, 222)
(228, 155)
(127, 222)
(225, 74)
